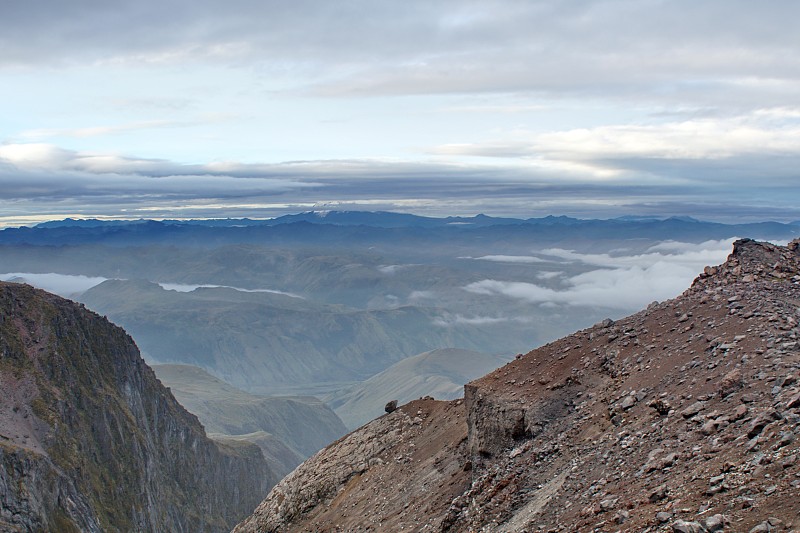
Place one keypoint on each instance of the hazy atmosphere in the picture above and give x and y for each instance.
(515, 108)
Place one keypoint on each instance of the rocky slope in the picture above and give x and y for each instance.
(288, 429)
(91, 441)
(683, 417)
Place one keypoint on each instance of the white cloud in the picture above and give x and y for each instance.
(678, 253)
(511, 258)
(460, 320)
(184, 287)
(421, 295)
(625, 283)
(549, 275)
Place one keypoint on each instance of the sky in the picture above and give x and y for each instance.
(257, 108)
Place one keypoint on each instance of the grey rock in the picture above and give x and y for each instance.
(693, 409)
(608, 504)
(681, 526)
(628, 402)
(715, 523)
(760, 422)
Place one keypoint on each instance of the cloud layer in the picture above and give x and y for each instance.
(625, 283)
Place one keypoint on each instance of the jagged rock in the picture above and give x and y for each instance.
(390, 406)
(759, 422)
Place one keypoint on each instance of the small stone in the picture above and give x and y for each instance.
(763, 527)
(693, 409)
(663, 516)
(681, 526)
(390, 406)
(740, 412)
(709, 428)
(731, 382)
(715, 523)
(787, 437)
(658, 494)
(608, 504)
(628, 402)
(794, 401)
(661, 406)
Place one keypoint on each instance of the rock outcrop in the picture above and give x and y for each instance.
(683, 417)
(91, 441)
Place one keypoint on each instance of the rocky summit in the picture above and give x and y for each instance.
(684, 417)
(91, 441)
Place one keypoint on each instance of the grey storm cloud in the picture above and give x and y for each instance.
(44, 179)
(719, 80)
(679, 47)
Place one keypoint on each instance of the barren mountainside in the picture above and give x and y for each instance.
(91, 441)
(683, 417)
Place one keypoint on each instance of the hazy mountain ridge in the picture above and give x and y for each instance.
(682, 417)
(81, 413)
(265, 342)
(441, 374)
(375, 228)
(368, 295)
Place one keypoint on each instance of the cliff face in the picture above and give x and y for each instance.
(91, 441)
(683, 417)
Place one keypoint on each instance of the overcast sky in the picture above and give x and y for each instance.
(201, 108)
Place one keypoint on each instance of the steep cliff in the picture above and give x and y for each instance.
(683, 417)
(91, 441)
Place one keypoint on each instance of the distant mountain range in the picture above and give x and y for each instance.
(375, 228)
(377, 219)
